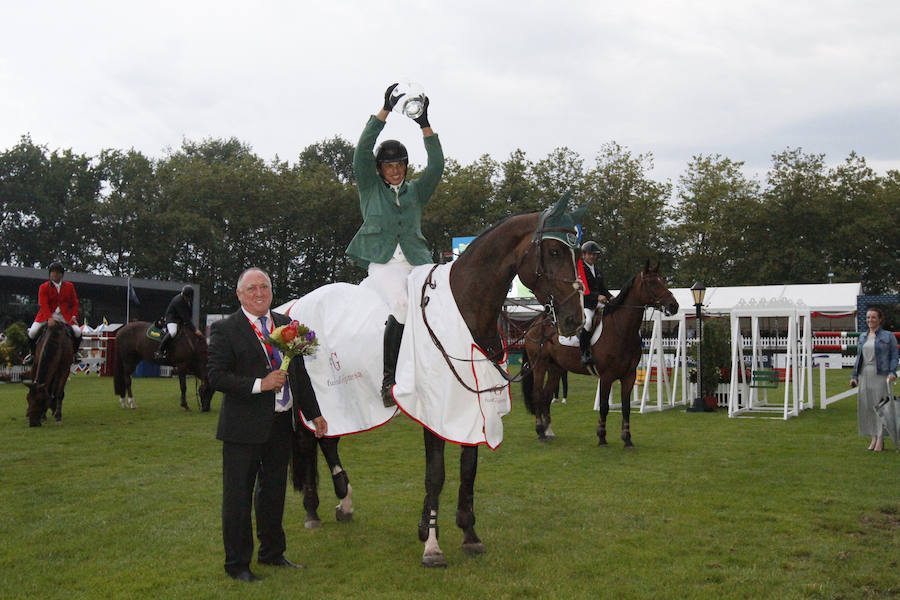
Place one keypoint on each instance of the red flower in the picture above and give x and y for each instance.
(289, 333)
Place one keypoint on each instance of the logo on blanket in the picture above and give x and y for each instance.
(334, 362)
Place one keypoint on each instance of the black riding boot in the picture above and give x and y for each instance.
(32, 348)
(584, 338)
(160, 354)
(76, 344)
(393, 334)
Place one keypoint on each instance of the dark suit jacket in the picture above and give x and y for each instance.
(594, 285)
(236, 360)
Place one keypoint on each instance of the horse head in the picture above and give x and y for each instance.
(654, 292)
(548, 266)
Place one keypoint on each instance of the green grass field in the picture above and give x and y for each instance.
(117, 503)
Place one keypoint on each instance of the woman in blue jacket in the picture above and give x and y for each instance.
(875, 370)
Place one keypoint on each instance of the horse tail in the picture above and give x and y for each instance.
(304, 455)
(528, 386)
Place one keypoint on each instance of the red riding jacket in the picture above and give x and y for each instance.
(50, 299)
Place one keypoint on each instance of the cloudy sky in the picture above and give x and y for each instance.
(744, 79)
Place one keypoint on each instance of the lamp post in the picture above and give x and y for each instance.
(698, 291)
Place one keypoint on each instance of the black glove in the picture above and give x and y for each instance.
(422, 119)
(388, 101)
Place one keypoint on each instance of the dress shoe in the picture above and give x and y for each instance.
(245, 575)
(281, 562)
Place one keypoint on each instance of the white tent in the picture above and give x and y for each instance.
(819, 297)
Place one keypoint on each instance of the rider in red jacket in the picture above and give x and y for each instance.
(56, 297)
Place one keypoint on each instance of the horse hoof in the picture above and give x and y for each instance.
(122, 402)
(474, 548)
(341, 515)
(434, 559)
(603, 444)
(313, 524)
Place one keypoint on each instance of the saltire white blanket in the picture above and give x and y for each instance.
(427, 390)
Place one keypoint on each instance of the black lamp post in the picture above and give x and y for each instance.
(698, 290)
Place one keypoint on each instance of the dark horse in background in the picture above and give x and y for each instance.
(616, 352)
(480, 279)
(54, 353)
(187, 354)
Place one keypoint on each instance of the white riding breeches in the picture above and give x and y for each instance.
(35, 330)
(388, 280)
(172, 328)
(589, 318)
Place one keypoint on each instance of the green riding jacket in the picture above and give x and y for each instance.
(391, 218)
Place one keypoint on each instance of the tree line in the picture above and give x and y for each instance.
(205, 211)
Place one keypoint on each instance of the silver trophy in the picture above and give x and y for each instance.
(409, 99)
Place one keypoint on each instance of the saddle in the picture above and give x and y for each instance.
(156, 330)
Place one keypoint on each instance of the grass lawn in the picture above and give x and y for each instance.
(117, 503)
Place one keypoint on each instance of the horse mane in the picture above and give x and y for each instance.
(480, 237)
(619, 300)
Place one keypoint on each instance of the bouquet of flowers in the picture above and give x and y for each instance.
(292, 340)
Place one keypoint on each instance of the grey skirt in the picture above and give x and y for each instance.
(872, 387)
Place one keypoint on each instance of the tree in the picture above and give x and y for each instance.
(123, 211)
(48, 205)
(336, 153)
(797, 216)
(628, 213)
(714, 215)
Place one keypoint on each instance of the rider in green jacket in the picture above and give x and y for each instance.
(390, 241)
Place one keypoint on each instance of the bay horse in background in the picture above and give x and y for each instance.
(187, 354)
(616, 353)
(52, 364)
(520, 245)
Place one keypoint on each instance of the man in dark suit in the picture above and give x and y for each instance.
(255, 425)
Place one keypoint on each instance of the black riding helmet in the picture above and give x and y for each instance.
(56, 266)
(188, 292)
(391, 151)
(590, 247)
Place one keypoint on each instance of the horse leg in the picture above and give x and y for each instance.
(434, 483)
(57, 406)
(541, 399)
(182, 383)
(465, 507)
(552, 382)
(604, 412)
(343, 512)
(305, 474)
(33, 412)
(627, 385)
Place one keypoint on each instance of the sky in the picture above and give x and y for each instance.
(742, 79)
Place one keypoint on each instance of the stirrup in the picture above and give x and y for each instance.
(27, 360)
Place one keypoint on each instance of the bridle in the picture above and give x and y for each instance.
(540, 270)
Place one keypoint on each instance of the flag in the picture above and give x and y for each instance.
(132, 295)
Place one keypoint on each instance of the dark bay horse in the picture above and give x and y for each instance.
(54, 353)
(526, 245)
(616, 353)
(187, 354)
